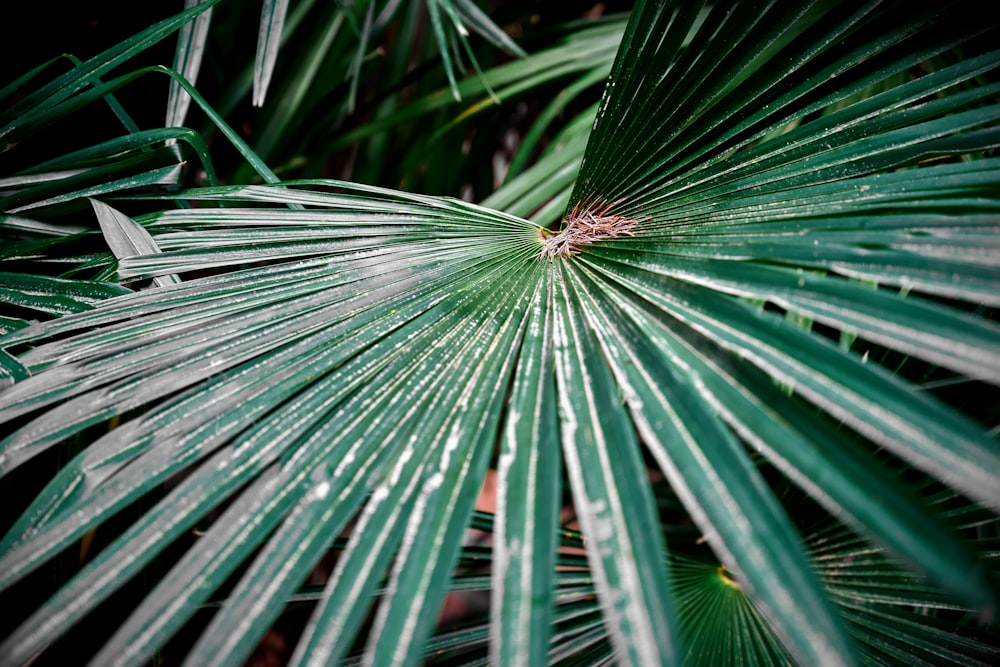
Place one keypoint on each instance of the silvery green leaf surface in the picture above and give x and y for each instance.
(126, 237)
(729, 370)
(187, 61)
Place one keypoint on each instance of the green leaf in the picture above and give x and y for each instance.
(272, 20)
(606, 476)
(288, 107)
(365, 34)
(79, 77)
(436, 526)
(586, 53)
(54, 296)
(187, 61)
(11, 370)
(731, 504)
(528, 482)
(721, 625)
(114, 149)
(126, 237)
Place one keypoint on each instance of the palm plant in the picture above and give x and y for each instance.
(753, 369)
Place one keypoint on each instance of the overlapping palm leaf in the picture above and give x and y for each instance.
(773, 194)
(451, 21)
(894, 617)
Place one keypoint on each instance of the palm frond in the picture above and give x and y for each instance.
(774, 204)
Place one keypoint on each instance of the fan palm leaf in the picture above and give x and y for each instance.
(772, 195)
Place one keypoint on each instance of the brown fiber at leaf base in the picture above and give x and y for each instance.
(589, 221)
